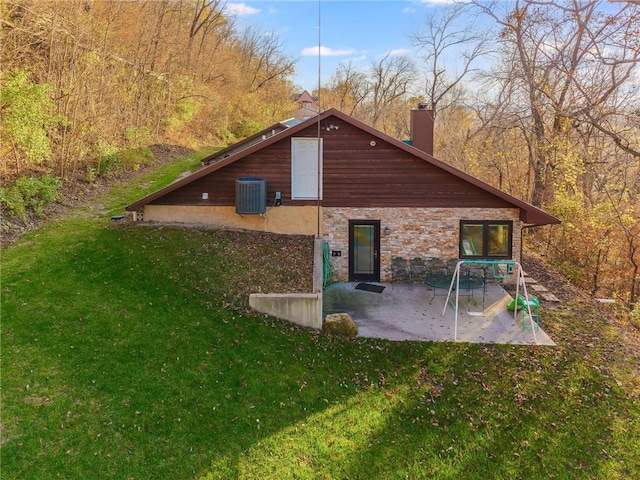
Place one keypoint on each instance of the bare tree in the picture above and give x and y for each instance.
(567, 88)
(390, 79)
(442, 37)
(569, 63)
(262, 58)
(347, 89)
(209, 22)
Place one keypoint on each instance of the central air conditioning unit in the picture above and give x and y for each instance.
(251, 196)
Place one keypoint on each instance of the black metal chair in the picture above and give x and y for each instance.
(400, 272)
(417, 271)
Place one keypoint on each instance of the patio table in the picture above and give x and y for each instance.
(470, 282)
(441, 281)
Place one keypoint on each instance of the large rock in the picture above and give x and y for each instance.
(341, 324)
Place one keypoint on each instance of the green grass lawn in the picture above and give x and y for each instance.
(128, 352)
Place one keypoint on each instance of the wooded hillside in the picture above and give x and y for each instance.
(84, 80)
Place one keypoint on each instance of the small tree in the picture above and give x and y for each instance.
(28, 115)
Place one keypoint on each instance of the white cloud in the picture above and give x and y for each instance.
(240, 9)
(326, 51)
(408, 10)
(398, 52)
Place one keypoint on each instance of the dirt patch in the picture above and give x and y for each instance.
(77, 191)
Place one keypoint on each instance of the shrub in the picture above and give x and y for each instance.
(228, 137)
(136, 137)
(12, 202)
(246, 129)
(28, 115)
(108, 160)
(108, 163)
(92, 174)
(30, 194)
(132, 159)
(111, 160)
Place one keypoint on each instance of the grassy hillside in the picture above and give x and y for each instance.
(128, 352)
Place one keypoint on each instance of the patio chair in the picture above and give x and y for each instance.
(436, 266)
(451, 264)
(471, 277)
(417, 271)
(399, 270)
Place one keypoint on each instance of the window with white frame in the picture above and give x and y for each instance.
(306, 168)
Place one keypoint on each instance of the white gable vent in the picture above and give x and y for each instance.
(251, 196)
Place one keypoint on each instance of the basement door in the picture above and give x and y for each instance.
(364, 250)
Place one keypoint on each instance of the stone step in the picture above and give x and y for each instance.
(539, 288)
(549, 297)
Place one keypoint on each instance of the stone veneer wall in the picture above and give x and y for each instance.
(414, 232)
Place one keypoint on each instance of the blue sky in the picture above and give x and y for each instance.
(359, 30)
(362, 31)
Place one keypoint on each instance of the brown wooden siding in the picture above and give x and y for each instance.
(356, 174)
(272, 163)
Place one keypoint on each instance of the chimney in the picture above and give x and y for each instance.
(422, 128)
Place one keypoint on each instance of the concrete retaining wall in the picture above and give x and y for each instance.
(303, 309)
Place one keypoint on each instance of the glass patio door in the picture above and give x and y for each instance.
(364, 250)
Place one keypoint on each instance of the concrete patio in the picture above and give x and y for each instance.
(411, 312)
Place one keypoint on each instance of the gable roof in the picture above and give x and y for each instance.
(304, 96)
(528, 213)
